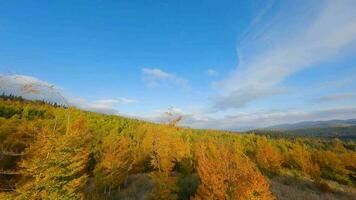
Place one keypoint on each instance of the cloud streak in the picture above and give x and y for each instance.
(31, 88)
(105, 106)
(334, 97)
(34, 89)
(259, 76)
(155, 77)
(212, 72)
(245, 121)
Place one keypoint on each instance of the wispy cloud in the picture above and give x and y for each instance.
(156, 77)
(105, 106)
(212, 72)
(334, 97)
(114, 102)
(242, 97)
(34, 89)
(31, 88)
(274, 57)
(160, 115)
(264, 118)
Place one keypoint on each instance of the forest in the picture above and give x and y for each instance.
(54, 152)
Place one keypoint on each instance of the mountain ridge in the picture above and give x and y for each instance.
(313, 124)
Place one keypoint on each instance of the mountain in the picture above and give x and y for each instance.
(343, 129)
(314, 124)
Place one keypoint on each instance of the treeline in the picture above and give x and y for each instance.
(52, 152)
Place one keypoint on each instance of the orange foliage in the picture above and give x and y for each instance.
(267, 157)
(117, 160)
(228, 174)
(304, 160)
(166, 151)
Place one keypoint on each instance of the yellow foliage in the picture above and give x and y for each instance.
(54, 159)
(166, 150)
(165, 186)
(228, 174)
(55, 165)
(117, 159)
(268, 157)
(303, 158)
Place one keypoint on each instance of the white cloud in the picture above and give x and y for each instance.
(212, 72)
(334, 97)
(127, 101)
(105, 106)
(274, 57)
(241, 98)
(199, 119)
(157, 73)
(113, 102)
(161, 116)
(31, 88)
(34, 89)
(242, 121)
(260, 119)
(155, 77)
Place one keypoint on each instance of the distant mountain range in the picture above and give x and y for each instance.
(343, 129)
(313, 124)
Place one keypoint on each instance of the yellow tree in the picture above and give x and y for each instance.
(55, 165)
(335, 165)
(304, 160)
(267, 157)
(116, 162)
(166, 151)
(226, 173)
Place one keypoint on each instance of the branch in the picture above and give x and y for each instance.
(10, 153)
(8, 172)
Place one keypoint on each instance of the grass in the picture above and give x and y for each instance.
(289, 188)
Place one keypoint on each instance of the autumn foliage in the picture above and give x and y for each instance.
(267, 156)
(226, 173)
(55, 165)
(51, 152)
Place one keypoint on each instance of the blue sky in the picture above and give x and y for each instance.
(220, 64)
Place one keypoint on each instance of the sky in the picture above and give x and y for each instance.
(232, 65)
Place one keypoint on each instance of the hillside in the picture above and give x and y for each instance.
(52, 152)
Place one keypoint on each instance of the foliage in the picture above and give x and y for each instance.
(267, 156)
(226, 173)
(54, 152)
(55, 165)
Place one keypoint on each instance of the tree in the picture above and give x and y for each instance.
(303, 159)
(166, 151)
(267, 157)
(228, 174)
(55, 165)
(116, 162)
(172, 117)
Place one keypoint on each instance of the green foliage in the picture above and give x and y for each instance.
(9, 111)
(188, 185)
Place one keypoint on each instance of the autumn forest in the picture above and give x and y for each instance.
(53, 152)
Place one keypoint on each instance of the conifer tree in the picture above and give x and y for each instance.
(226, 174)
(116, 162)
(55, 165)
